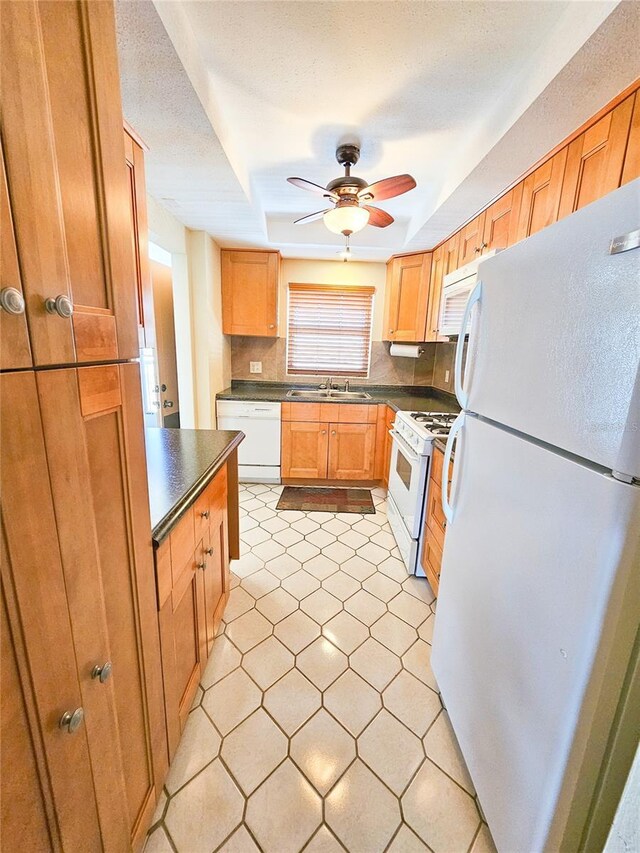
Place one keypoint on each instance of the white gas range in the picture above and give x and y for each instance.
(413, 434)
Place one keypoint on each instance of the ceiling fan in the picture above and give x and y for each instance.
(351, 196)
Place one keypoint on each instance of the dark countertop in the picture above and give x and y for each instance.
(399, 397)
(180, 463)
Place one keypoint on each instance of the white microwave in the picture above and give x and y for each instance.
(455, 291)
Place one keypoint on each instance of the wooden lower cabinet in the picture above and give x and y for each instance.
(435, 523)
(83, 597)
(192, 567)
(351, 451)
(305, 447)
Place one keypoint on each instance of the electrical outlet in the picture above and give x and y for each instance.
(255, 367)
(446, 377)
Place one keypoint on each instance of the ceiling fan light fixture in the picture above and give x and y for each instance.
(347, 219)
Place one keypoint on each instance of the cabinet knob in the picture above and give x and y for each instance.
(209, 551)
(333, 432)
(205, 514)
(390, 331)
(202, 566)
(168, 404)
(272, 325)
(11, 300)
(71, 720)
(324, 432)
(102, 672)
(60, 305)
(483, 246)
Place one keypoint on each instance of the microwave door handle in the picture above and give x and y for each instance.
(447, 507)
(404, 446)
(462, 393)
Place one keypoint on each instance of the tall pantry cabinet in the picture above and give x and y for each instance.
(82, 717)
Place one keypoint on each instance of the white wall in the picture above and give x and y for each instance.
(333, 272)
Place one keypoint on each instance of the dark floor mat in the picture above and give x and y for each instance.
(312, 498)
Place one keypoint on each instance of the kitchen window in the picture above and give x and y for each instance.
(329, 330)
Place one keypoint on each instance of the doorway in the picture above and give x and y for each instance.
(166, 343)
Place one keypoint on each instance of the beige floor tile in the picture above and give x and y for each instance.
(341, 585)
(283, 566)
(419, 588)
(291, 515)
(320, 517)
(345, 632)
(373, 553)
(320, 538)
(288, 537)
(394, 568)
(391, 751)
(366, 528)
(199, 745)
(249, 630)
(160, 807)
(292, 700)
(425, 631)
(260, 583)
(203, 813)
(268, 662)
(338, 552)
(231, 700)
(409, 608)
(358, 568)
(269, 550)
(322, 663)
(382, 587)
(284, 812)
(324, 842)
(321, 605)
(384, 539)
(375, 663)
(353, 539)
(407, 841)
(297, 631)
(412, 702)
(253, 750)
(247, 523)
(262, 514)
(246, 565)
(393, 633)
(323, 750)
(239, 602)
(240, 842)
(352, 701)
(442, 748)
(321, 566)
(255, 536)
(305, 526)
(365, 607)
(276, 605)
(439, 811)
(301, 584)
(418, 661)
(483, 842)
(335, 526)
(157, 842)
(273, 525)
(356, 795)
(303, 551)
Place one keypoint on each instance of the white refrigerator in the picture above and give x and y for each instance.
(539, 602)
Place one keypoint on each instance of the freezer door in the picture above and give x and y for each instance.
(538, 565)
(555, 342)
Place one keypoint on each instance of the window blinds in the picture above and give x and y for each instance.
(329, 329)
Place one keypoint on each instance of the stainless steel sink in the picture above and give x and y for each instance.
(327, 395)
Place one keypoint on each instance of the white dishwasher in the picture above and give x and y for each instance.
(259, 453)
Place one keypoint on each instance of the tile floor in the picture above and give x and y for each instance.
(317, 725)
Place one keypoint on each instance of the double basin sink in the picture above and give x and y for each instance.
(328, 394)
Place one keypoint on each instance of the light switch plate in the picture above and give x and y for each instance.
(255, 367)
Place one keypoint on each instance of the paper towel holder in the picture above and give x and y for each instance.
(410, 350)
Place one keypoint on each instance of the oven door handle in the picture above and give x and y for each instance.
(403, 444)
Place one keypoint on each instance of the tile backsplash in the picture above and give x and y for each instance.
(385, 369)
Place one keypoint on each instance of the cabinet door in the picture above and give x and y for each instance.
(216, 574)
(64, 152)
(595, 159)
(134, 161)
(92, 420)
(451, 254)
(41, 642)
(435, 292)
(471, 239)
(14, 337)
(407, 298)
(631, 169)
(541, 196)
(351, 451)
(501, 221)
(304, 450)
(250, 293)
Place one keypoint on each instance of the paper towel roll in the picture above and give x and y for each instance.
(406, 350)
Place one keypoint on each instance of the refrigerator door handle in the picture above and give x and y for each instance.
(474, 297)
(457, 425)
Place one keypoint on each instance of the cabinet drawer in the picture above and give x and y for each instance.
(201, 514)
(435, 516)
(163, 572)
(183, 543)
(437, 461)
(432, 555)
(301, 411)
(354, 413)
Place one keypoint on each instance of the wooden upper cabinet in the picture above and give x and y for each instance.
(631, 169)
(541, 192)
(250, 283)
(407, 297)
(595, 159)
(501, 221)
(435, 292)
(451, 254)
(63, 146)
(134, 160)
(471, 240)
(15, 351)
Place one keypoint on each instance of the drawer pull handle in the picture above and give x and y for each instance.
(209, 551)
(60, 305)
(201, 565)
(102, 672)
(205, 514)
(71, 720)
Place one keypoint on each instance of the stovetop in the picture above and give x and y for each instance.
(436, 423)
(419, 429)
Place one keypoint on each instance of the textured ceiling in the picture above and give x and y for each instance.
(232, 97)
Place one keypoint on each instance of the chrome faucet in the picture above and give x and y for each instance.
(328, 384)
(346, 385)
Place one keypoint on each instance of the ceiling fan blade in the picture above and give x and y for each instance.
(311, 217)
(388, 188)
(377, 217)
(312, 188)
